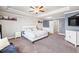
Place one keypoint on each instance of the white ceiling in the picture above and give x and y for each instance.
(26, 9)
(49, 10)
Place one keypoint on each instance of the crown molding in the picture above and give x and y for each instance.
(17, 12)
(71, 12)
(55, 12)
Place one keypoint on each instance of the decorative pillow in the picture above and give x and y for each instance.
(4, 43)
(34, 29)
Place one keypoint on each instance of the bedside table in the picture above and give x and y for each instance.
(17, 34)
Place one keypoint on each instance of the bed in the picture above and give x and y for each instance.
(33, 34)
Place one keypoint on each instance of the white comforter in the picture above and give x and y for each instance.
(34, 34)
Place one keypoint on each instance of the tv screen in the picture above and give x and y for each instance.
(73, 21)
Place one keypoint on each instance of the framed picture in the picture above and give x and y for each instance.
(12, 18)
(7, 18)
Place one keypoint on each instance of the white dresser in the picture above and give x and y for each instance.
(72, 37)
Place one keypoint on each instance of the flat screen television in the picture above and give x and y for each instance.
(73, 21)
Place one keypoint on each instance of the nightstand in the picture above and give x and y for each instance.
(17, 34)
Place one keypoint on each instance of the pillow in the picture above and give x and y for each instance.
(4, 43)
(34, 29)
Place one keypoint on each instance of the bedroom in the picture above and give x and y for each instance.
(52, 20)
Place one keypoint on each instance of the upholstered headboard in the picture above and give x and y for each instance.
(28, 27)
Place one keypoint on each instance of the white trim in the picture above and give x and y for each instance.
(71, 12)
(55, 11)
(61, 34)
(58, 18)
(10, 37)
(17, 12)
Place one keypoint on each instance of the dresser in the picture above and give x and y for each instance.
(72, 37)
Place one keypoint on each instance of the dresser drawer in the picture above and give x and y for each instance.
(71, 36)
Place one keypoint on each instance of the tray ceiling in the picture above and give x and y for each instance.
(24, 10)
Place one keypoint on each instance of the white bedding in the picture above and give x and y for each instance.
(35, 34)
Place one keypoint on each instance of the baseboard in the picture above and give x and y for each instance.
(50, 33)
(61, 34)
(11, 37)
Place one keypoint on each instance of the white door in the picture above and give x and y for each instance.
(56, 26)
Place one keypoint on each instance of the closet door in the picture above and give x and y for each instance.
(55, 26)
(51, 26)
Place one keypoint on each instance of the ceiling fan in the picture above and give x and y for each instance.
(37, 9)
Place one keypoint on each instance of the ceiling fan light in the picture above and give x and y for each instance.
(38, 9)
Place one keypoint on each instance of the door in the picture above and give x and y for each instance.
(56, 26)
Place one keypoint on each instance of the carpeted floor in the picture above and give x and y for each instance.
(52, 44)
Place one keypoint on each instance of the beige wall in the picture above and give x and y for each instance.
(9, 27)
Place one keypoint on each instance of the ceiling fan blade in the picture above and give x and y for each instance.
(31, 7)
(41, 7)
(42, 11)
